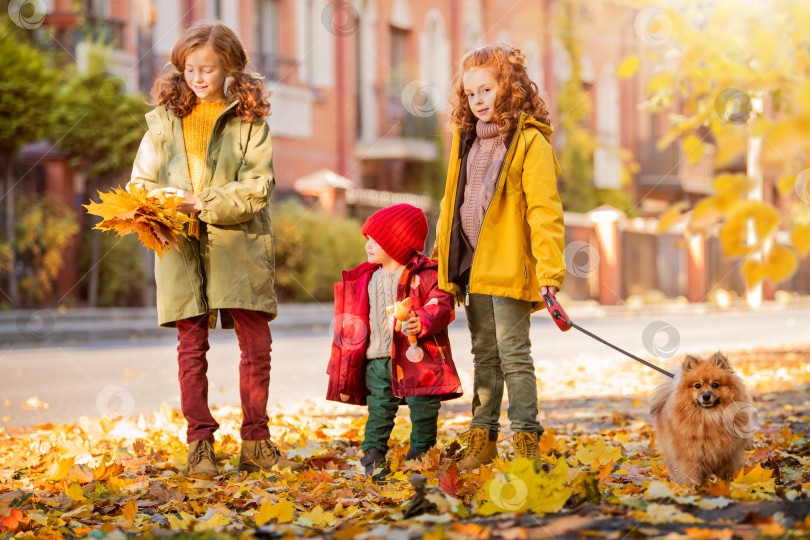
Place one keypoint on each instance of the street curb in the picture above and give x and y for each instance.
(59, 326)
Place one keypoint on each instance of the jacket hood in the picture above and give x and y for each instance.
(529, 120)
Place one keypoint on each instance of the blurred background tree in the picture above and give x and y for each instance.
(27, 87)
(576, 141)
(99, 126)
(734, 74)
(43, 227)
(312, 248)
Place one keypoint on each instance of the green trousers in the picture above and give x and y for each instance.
(499, 328)
(382, 409)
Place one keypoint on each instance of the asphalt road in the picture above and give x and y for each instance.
(61, 383)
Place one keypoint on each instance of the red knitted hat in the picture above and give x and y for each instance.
(400, 230)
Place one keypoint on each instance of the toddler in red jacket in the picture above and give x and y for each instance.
(371, 363)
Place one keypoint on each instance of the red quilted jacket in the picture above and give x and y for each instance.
(434, 375)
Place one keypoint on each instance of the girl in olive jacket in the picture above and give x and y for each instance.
(211, 145)
(499, 238)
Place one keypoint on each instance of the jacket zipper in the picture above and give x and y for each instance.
(484, 220)
(453, 214)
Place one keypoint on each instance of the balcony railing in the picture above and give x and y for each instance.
(107, 31)
(670, 169)
(274, 67)
(397, 121)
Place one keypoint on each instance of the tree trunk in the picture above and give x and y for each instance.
(95, 255)
(13, 295)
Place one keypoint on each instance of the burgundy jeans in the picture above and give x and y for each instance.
(254, 338)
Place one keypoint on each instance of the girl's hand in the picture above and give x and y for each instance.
(191, 203)
(548, 290)
(413, 326)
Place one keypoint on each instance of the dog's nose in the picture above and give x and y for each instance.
(706, 397)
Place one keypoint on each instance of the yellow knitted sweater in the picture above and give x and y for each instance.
(197, 127)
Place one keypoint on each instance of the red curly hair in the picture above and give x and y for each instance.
(517, 93)
(171, 90)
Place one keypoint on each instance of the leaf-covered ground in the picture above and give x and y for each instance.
(601, 475)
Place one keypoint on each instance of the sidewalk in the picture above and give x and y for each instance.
(50, 326)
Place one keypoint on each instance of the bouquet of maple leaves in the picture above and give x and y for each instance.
(153, 216)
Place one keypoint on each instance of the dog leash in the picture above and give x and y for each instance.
(564, 323)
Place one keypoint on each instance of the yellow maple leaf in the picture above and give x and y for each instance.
(705, 214)
(671, 216)
(105, 471)
(281, 511)
(129, 510)
(521, 488)
(730, 188)
(154, 218)
(661, 81)
(756, 475)
(756, 484)
(74, 491)
(693, 148)
(317, 517)
(628, 67)
(781, 263)
(80, 473)
(734, 232)
(800, 238)
(181, 520)
(658, 489)
(598, 454)
(786, 184)
(549, 442)
(665, 513)
(753, 271)
(205, 525)
(60, 468)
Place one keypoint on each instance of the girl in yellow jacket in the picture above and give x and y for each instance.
(500, 238)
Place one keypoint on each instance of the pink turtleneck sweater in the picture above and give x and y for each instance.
(483, 168)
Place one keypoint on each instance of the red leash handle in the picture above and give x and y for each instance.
(557, 313)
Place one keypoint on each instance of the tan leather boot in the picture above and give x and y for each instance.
(480, 450)
(201, 458)
(263, 455)
(526, 445)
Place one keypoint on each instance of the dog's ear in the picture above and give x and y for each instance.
(720, 361)
(689, 362)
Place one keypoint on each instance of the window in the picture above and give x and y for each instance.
(214, 9)
(266, 58)
(315, 47)
(97, 9)
(398, 59)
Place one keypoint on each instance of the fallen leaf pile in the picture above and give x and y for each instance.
(154, 218)
(600, 475)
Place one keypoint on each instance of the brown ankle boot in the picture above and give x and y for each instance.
(480, 449)
(263, 455)
(201, 458)
(526, 445)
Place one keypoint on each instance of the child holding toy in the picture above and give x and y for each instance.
(500, 239)
(371, 363)
(211, 145)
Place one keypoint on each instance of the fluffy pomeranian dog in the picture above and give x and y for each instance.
(703, 420)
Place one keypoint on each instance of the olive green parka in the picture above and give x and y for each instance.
(232, 264)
